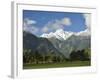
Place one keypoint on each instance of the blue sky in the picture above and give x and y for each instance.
(39, 22)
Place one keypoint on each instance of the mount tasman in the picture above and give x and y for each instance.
(66, 41)
(60, 43)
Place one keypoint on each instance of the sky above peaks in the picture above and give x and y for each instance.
(40, 22)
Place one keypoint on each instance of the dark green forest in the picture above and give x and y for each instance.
(30, 57)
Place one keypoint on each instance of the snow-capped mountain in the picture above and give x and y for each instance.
(59, 34)
(66, 42)
(64, 35)
(83, 33)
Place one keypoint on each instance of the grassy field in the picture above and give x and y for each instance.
(57, 65)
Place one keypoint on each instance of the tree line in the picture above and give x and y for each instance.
(36, 58)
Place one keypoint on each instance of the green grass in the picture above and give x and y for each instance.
(57, 65)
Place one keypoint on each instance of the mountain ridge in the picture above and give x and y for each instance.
(42, 45)
(64, 35)
(61, 43)
(73, 41)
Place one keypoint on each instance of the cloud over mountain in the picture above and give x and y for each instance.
(29, 26)
(56, 24)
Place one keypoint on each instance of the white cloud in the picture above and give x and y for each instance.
(87, 18)
(56, 24)
(66, 21)
(29, 21)
(45, 29)
(28, 25)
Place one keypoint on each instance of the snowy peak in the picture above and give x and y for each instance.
(84, 33)
(64, 35)
(51, 34)
(59, 34)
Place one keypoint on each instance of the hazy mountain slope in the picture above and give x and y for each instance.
(69, 41)
(42, 45)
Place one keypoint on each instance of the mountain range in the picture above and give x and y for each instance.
(66, 42)
(64, 35)
(60, 43)
(42, 45)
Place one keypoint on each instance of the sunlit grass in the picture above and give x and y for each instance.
(57, 65)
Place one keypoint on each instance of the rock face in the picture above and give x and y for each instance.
(42, 45)
(66, 42)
